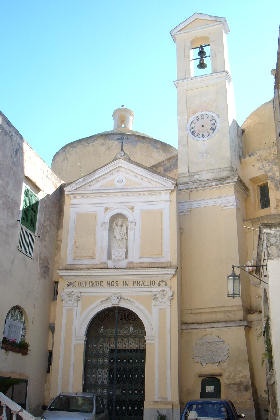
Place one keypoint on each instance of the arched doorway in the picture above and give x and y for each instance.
(114, 366)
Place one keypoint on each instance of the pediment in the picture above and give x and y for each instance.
(198, 21)
(120, 175)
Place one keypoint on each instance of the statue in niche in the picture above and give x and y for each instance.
(118, 235)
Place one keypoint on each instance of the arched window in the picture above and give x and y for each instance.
(15, 328)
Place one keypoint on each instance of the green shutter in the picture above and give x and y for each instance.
(29, 210)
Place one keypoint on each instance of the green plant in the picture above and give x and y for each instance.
(267, 355)
(161, 416)
(14, 346)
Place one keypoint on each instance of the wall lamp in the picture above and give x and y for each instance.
(233, 279)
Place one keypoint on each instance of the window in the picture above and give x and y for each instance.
(29, 210)
(28, 222)
(264, 199)
(14, 329)
(55, 290)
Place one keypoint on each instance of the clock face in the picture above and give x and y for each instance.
(203, 125)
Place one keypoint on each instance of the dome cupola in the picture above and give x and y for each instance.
(123, 118)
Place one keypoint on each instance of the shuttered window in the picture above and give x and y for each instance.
(28, 222)
(29, 210)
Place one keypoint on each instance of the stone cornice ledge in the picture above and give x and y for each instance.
(195, 82)
(127, 273)
(207, 325)
(208, 179)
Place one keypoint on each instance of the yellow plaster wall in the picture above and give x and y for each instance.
(162, 354)
(151, 233)
(233, 373)
(67, 346)
(205, 232)
(79, 367)
(85, 236)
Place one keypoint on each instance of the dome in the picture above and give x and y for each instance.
(84, 156)
(259, 129)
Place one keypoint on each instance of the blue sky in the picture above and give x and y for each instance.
(67, 64)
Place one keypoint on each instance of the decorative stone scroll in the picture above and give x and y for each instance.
(115, 300)
(162, 297)
(210, 349)
(70, 298)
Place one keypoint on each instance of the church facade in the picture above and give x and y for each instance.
(126, 291)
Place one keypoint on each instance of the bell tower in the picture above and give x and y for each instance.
(207, 131)
(211, 210)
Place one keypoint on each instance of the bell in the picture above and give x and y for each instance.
(201, 52)
(201, 64)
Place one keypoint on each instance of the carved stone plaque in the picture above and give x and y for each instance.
(210, 349)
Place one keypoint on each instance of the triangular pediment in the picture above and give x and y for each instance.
(120, 176)
(198, 21)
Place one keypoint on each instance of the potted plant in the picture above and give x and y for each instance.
(15, 346)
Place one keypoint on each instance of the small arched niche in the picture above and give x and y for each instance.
(118, 240)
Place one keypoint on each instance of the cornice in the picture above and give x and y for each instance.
(202, 180)
(228, 202)
(206, 325)
(210, 22)
(196, 82)
(80, 186)
(139, 274)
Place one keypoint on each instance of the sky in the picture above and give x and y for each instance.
(66, 65)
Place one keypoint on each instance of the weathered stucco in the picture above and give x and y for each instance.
(24, 281)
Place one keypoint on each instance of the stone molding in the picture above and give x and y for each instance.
(184, 207)
(196, 82)
(208, 179)
(114, 299)
(144, 179)
(164, 274)
(70, 298)
(207, 325)
(162, 297)
(208, 22)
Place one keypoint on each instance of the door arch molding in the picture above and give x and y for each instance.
(114, 300)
